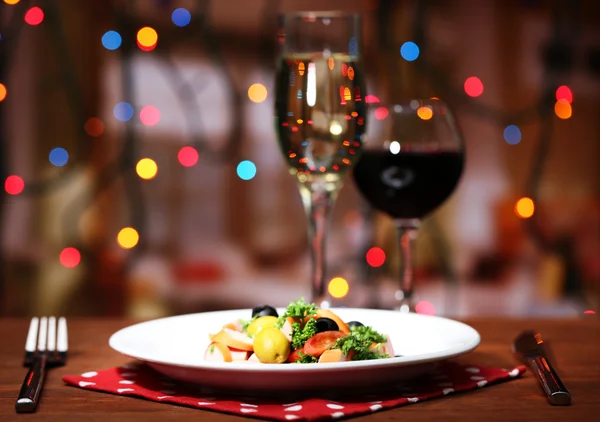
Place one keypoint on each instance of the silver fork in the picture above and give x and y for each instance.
(52, 345)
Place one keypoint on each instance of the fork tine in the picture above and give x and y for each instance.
(51, 334)
(62, 338)
(31, 341)
(43, 334)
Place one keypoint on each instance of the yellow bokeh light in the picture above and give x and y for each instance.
(147, 36)
(257, 93)
(11, 1)
(563, 109)
(347, 94)
(2, 92)
(128, 237)
(338, 287)
(425, 113)
(524, 207)
(146, 168)
(301, 68)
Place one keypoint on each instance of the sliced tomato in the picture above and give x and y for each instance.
(320, 342)
(294, 356)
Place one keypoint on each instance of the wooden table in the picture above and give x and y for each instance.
(575, 344)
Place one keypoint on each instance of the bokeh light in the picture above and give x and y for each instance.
(11, 2)
(512, 134)
(338, 287)
(395, 147)
(111, 40)
(128, 238)
(473, 86)
(181, 17)
(34, 16)
(375, 257)
(524, 207)
(149, 115)
(69, 257)
(589, 312)
(246, 170)
(14, 185)
(94, 127)
(563, 92)
(425, 112)
(187, 156)
(409, 51)
(257, 93)
(563, 109)
(123, 111)
(3, 92)
(381, 113)
(58, 157)
(370, 99)
(147, 37)
(425, 307)
(146, 168)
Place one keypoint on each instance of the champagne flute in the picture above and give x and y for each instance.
(320, 117)
(412, 161)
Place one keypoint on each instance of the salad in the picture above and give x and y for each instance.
(302, 334)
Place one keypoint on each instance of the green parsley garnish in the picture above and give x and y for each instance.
(301, 334)
(247, 322)
(212, 348)
(359, 341)
(297, 309)
(306, 358)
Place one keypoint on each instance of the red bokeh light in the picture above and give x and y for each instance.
(473, 86)
(370, 99)
(34, 16)
(70, 257)
(187, 156)
(381, 113)
(425, 307)
(14, 185)
(149, 115)
(564, 93)
(143, 48)
(375, 257)
(589, 312)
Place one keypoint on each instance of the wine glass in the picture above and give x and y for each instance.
(319, 116)
(412, 160)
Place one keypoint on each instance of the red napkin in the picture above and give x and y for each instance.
(139, 380)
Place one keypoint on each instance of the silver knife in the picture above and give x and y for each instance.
(529, 346)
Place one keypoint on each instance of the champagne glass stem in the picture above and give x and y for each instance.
(318, 204)
(407, 236)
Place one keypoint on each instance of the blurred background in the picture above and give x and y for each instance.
(142, 175)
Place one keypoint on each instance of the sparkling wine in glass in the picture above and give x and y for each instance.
(411, 163)
(319, 116)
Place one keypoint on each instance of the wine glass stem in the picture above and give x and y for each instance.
(407, 236)
(318, 204)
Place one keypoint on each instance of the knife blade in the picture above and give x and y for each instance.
(529, 346)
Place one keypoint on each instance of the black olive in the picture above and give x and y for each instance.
(264, 310)
(326, 324)
(355, 324)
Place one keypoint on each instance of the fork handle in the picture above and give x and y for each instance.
(32, 386)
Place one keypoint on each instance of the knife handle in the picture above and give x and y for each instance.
(551, 383)
(32, 387)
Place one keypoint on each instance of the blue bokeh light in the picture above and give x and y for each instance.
(111, 40)
(409, 51)
(123, 111)
(58, 157)
(512, 134)
(181, 17)
(246, 170)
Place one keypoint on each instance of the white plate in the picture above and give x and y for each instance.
(175, 347)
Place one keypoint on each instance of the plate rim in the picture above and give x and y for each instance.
(340, 366)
